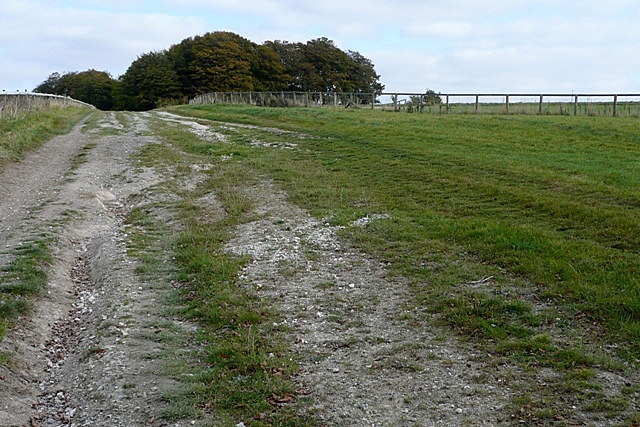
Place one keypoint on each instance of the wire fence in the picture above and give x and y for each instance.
(13, 105)
(549, 104)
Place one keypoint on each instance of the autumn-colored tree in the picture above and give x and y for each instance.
(222, 62)
(149, 81)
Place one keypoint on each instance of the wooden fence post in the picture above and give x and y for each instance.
(373, 100)
(507, 105)
(540, 105)
(615, 105)
(477, 101)
(447, 105)
(335, 99)
(575, 105)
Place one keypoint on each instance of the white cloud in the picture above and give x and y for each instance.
(446, 45)
(38, 39)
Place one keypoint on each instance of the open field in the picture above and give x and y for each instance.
(553, 201)
(519, 233)
(620, 105)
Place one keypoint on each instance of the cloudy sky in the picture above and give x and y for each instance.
(451, 46)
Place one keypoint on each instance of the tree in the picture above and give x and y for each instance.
(320, 66)
(221, 62)
(268, 70)
(49, 85)
(363, 74)
(149, 80)
(432, 98)
(181, 57)
(291, 57)
(91, 86)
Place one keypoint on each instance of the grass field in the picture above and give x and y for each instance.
(520, 233)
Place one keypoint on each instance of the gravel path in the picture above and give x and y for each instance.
(85, 357)
(88, 355)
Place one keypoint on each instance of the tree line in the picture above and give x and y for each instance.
(220, 62)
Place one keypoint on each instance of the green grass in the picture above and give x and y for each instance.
(21, 280)
(18, 136)
(552, 200)
(240, 368)
(546, 205)
(567, 108)
(25, 276)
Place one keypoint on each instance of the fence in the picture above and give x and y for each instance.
(463, 103)
(287, 99)
(14, 104)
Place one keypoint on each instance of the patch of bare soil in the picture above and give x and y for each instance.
(366, 360)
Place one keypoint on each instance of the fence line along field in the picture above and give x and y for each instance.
(14, 104)
(431, 102)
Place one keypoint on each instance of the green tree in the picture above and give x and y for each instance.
(221, 62)
(432, 98)
(91, 86)
(320, 66)
(362, 75)
(149, 81)
(49, 85)
(291, 56)
(181, 57)
(268, 70)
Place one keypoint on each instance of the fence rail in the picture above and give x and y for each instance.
(14, 104)
(460, 103)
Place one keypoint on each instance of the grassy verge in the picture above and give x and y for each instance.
(240, 371)
(18, 136)
(21, 280)
(520, 233)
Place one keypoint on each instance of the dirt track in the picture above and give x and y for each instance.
(90, 354)
(86, 357)
(73, 357)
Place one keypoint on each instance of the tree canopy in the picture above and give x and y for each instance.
(93, 87)
(220, 62)
(149, 79)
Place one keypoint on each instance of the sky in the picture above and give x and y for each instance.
(450, 46)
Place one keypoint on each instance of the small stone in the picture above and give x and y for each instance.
(459, 411)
